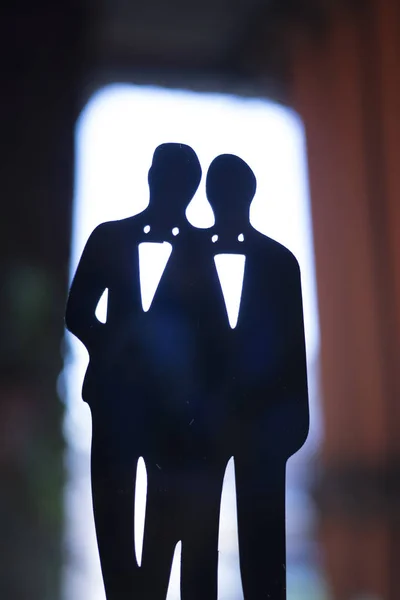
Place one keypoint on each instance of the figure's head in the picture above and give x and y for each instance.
(231, 186)
(174, 177)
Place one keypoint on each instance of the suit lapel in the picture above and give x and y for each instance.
(153, 260)
(230, 270)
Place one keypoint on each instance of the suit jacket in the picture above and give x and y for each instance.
(268, 376)
(110, 261)
(162, 369)
(184, 344)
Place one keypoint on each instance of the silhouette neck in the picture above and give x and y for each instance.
(232, 223)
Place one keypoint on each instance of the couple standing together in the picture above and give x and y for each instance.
(177, 385)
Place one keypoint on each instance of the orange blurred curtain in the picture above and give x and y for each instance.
(346, 87)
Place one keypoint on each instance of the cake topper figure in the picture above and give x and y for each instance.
(268, 400)
(180, 382)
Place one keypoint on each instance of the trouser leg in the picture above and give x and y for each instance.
(260, 489)
(199, 569)
(161, 532)
(113, 491)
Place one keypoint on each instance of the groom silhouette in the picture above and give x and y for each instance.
(267, 380)
(175, 383)
(122, 384)
(186, 328)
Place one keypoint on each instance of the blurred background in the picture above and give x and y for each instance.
(308, 92)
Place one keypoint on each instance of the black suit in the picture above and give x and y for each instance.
(186, 467)
(268, 404)
(154, 388)
(115, 389)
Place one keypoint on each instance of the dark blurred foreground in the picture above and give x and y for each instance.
(337, 64)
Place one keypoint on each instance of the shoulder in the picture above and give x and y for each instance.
(274, 247)
(99, 238)
(101, 231)
(115, 229)
(275, 253)
(288, 258)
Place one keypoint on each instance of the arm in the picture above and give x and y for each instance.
(295, 370)
(86, 290)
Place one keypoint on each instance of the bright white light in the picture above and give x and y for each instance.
(146, 229)
(101, 309)
(175, 231)
(230, 268)
(153, 258)
(229, 581)
(140, 507)
(214, 239)
(174, 587)
(241, 237)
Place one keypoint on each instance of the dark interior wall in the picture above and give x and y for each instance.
(42, 58)
(230, 46)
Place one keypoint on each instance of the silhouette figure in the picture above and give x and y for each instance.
(186, 327)
(178, 382)
(268, 409)
(268, 399)
(122, 386)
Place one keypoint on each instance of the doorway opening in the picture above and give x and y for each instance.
(116, 135)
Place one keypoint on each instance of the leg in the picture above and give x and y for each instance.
(199, 569)
(161, 532)
(260, 489)
(113, 491)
